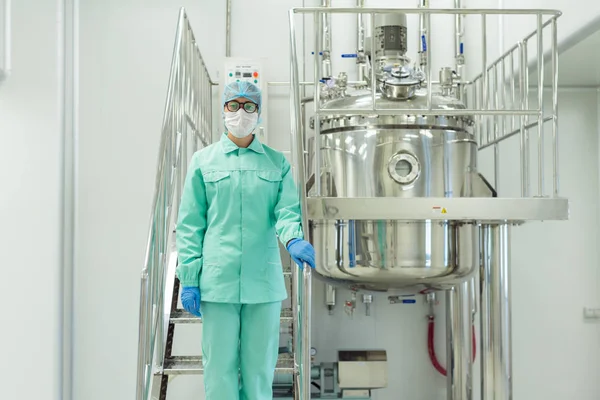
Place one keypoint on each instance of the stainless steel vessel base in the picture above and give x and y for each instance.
(384, 255)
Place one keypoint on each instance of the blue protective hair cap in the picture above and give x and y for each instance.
(243, 89)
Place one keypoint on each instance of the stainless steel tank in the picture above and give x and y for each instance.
(396, 156)
(366, 155)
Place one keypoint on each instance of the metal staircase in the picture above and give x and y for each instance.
(187, 127)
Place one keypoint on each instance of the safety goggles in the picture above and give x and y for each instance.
(234, 106)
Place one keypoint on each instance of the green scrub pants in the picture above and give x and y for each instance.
(240, 344)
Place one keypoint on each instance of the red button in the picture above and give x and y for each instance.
(256, 74)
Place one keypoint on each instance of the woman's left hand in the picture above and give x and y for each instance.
(302, 252)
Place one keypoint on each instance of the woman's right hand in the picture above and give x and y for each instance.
(190, 299)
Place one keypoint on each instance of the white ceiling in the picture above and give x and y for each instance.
(580, 64)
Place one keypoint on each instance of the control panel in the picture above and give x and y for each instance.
(250, 70)
(243, 72)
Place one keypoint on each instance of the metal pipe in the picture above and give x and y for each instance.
(554, 50)
(7, 58)
(540, 73)
(372, 64)
(317, 105)
(360, 42)
(496, 337)
(326, 70)
(429, 67)
(459, 370)
(228, 29)
(458, 42)
(423, 39)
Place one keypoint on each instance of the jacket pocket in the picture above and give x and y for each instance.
(270, 176)
(218, 185)
(215, 176)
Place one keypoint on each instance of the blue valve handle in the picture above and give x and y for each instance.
(424, 43)
(349, 55)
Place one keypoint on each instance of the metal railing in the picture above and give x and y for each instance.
(187, 125)
(504, 86)
(500, 104)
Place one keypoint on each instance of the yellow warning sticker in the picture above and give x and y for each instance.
(444, 211)
(439, 210)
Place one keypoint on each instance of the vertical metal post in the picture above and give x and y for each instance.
(459, 346)
(540, 78)
(512, 87)
(142, 343)
(554, 50)
(458, 42)
(360, 40)
(484, 76)
(429, 40)
(228, 29)
(373, 63)
(318, 21)
(306, 306)
(326, 40)
(496, 337)
(497, 132)
(303, 303)
(524, 134)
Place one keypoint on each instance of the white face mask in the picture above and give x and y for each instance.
(240, 124)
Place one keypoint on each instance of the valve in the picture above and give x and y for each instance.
(350, 305)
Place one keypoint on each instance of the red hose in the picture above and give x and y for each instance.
(431, 347)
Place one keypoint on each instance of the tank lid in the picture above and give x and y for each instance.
(348, 121)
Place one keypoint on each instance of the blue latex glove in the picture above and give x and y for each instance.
(190, 299)
(301, 252)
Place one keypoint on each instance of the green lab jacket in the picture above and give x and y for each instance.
(234, 205)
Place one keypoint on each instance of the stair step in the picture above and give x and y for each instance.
(192, 365)
(183, 317)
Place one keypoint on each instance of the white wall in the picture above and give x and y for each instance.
(125, 54)
(578, 19)
(30, 206)
(555, 264)
(126, 49)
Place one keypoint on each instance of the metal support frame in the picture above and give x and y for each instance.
(502, 109)
(459, 343)
(496, 336)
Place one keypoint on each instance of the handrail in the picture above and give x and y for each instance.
(187, 120)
